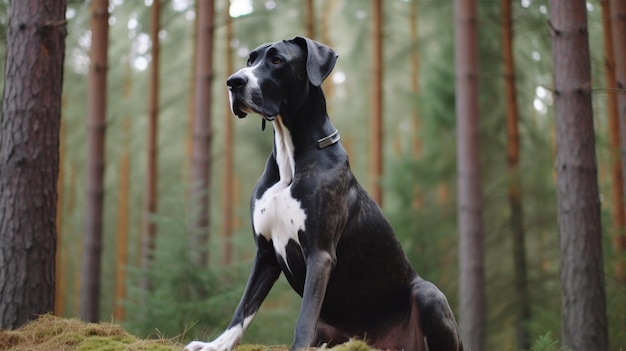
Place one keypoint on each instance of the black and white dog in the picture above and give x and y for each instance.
(312, 221)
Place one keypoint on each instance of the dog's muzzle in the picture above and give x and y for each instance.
(246, 97)
(236, 85)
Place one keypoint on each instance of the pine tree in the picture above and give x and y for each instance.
(471, 242)
(96, 127)
(29, 154)
(583, 300)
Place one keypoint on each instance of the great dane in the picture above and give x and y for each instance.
(313, 222)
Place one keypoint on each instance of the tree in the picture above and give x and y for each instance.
(415, 69)
(96, 127)
(515, 186)
(471, 246)
(376, 128)
(310, 18)
(123, 208)
(60, 279)
(29, 155)
(228, 181)
(203, 134)
(583, 301)
(618, 25)
(618, 218)
(150, 192)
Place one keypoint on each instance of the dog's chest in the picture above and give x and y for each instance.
(277, 215)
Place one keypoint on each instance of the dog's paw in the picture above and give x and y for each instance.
(203, 346)
(225, 342)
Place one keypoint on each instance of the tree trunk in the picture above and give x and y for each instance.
(150, 192)
(583, 301)
(191, 108)
(29, 155)
(229, 145)
(618, 218)
(123, 209)
(376, 129)
(310, 18)
(96, 127)
(203, 132)
(61, 268)
(471, 242)
(618, 25)
(415, 71)
(515, 185)
(326, 23)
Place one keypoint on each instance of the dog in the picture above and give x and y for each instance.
(313, 222)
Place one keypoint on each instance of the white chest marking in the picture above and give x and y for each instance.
(277, 215)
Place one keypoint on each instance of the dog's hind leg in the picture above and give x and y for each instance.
(329, 335)
(436, 318)
(318, 269)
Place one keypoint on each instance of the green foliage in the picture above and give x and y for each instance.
(546, 343)
(181, 296)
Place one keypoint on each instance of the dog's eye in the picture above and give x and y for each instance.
(276, 60)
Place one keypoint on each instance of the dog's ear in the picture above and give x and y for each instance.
(320, 59)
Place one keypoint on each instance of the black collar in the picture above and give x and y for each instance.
(328, 140)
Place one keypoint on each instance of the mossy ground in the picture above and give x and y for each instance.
(59, 334)
(52, 333)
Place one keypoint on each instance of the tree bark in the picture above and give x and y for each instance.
(415, 74)
(326, 23)
(515, 184)
(96, 127)
(203, 133)
(150, 191)
(471, 241)
(61, 267)
(583, 301)
(29, 155)
(618, 32)
(191, 108)
(310, 18)
(618, 217)
(376, 129)
(229, 145)
(123, 209)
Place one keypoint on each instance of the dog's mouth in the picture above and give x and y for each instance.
(241, 107)
(238, 111)
(242, 111)
(268, 118)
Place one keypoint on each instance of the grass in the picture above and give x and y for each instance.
(59, 334)
(52, 333)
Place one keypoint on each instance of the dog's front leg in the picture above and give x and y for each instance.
(265, 271)
(318, 268)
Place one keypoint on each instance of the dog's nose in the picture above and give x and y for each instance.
(236, 81)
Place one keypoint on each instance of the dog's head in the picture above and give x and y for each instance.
(278, 76)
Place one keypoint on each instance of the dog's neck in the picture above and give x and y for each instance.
(316, 131)
(328, 140)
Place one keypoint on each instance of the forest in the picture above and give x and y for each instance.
(487, 130)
